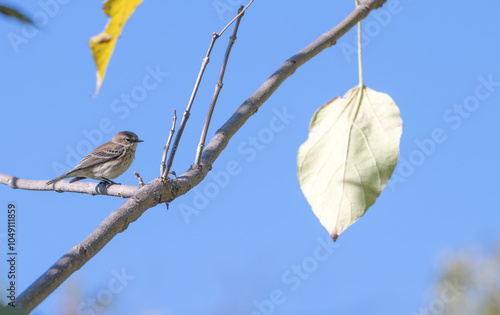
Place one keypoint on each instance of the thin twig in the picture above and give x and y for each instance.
(167, 146)
(186, 114)
(139, 178)
(158, 191)
(241, 11)
(218, 88)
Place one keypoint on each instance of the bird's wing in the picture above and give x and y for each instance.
(104, 153)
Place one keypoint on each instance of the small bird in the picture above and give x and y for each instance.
(110, 160)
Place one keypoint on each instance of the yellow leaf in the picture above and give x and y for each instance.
(103, 44)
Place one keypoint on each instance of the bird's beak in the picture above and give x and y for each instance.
(139, 140)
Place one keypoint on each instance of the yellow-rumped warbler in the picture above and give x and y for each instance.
(110, 160)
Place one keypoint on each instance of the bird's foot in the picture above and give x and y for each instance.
(108, 182)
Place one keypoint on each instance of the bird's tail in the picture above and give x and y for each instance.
(50, 182)
(65, 175)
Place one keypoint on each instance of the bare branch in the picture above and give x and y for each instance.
(92, 188)
(163, 168)
(158, 191)
(218, 88)
(204, 64)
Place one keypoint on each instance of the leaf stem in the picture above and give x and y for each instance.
(360, 58)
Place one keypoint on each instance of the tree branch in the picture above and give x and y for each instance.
(218, 88)
(158, 191)
(123, 191)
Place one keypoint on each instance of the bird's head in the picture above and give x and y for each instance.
(126, 138)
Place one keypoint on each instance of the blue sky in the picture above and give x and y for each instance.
(255, 238)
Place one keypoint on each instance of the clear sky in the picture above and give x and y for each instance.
(255, 238)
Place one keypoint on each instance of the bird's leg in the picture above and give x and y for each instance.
(104, 183)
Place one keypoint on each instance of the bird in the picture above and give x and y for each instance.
(107, 162)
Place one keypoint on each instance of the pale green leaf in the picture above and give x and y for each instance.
(351, 152)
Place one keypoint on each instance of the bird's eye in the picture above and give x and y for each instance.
(128, 140)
